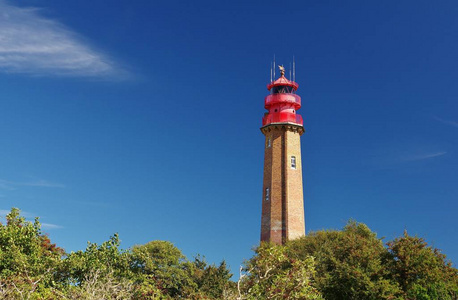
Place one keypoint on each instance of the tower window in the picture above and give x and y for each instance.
(283, 89)
(267, 197)
(293, 162)
(269, 142)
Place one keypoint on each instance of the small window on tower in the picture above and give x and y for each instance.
(269, 142)
(267, 197)
(293, 162)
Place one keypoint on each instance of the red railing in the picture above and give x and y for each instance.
(282, 98)
(282, 117)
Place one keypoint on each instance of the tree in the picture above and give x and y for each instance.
(27, 258)
(352, 263)
(31, 267)
(349, 263)
(213, 282)
(274, 274)
(106, 258)
(422, 271)
(106, 271)
(355, 264)
(163, 263)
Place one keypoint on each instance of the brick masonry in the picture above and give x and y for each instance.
(283, 212)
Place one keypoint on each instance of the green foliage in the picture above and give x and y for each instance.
(163, 262)
(352, 263)
(161, 265)
(274, 274)
(422, 271)
(106, 258)
(349, 263)
(33, 268)
(213, 282)
(27, 257)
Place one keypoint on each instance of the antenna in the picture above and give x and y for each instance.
(274, 66)
(294, 70)
(290, 71)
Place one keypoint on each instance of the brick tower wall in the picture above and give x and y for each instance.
(295, 222)
(283, 213)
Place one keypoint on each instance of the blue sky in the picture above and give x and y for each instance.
(142, 118)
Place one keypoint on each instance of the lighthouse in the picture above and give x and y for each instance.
(282, 201)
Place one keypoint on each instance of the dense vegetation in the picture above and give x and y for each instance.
(355, 264)
(33, 268)
(352, 263)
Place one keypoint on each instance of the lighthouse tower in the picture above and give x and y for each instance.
(282, 201)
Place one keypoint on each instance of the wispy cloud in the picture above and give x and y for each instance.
(422, 156)
(4, 185)
(42, 183)
(11, 185)
(448, 122)
(50, 226)
(33, 44)
(404, 155)
(4, 212)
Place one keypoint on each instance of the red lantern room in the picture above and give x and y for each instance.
(282, 103)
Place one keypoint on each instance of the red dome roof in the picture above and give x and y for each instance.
(282, 81)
